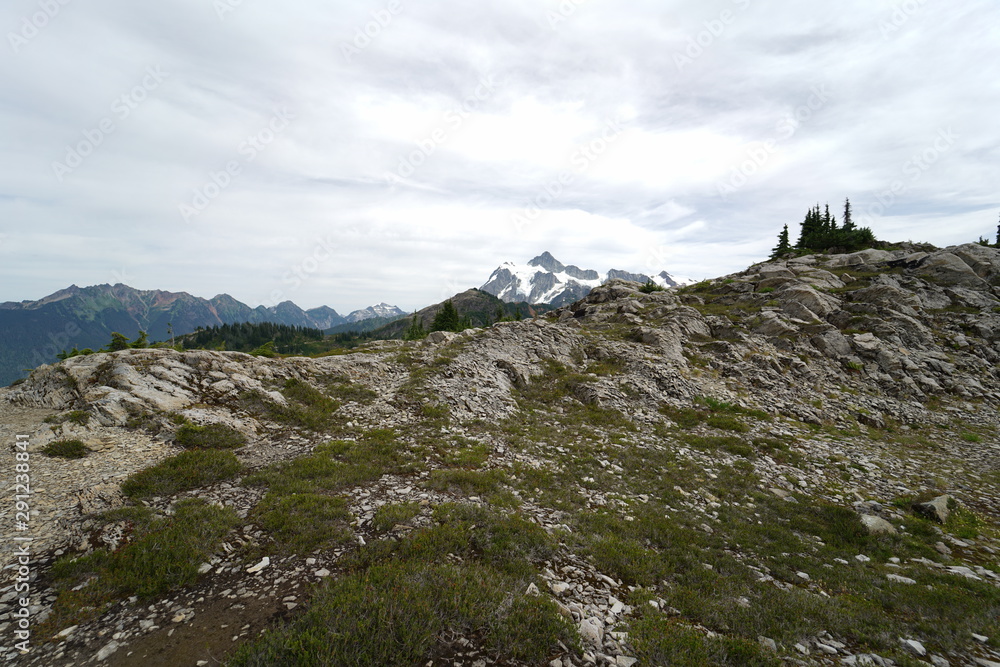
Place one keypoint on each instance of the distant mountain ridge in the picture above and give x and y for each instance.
(547, 280)
(33, 332)
(382, 310)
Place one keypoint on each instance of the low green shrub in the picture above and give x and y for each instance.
(398, 614)
(209, 436)
(66, 449)
(188, 470)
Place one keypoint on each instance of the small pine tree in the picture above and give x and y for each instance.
(998, 236)
(848, 220)
(447, 319)
(141, 341)
(783, 244)
(416, 330)
(118, 342)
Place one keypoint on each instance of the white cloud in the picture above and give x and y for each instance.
(643, 194)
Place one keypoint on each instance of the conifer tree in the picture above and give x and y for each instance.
(829, 223)
(118, 342)
(416, 330)
(848, 220)
(783, 244)
(811, 226)
(141, 341)
(447, 318)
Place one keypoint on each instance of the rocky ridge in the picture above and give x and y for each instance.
(864, 381)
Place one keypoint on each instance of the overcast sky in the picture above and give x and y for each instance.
(351, 153)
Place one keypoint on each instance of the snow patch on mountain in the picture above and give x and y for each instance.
(378, 310)
(545, 279)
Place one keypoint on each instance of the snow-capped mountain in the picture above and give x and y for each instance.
(380, 310)
(547, 280)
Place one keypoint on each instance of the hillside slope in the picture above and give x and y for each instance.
(795, 464)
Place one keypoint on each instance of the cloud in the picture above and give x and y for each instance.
(428, 142)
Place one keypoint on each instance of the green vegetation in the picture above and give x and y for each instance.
(784, 245)
(401, 600)
(66, 449)
(301, 508)
(388, 516)
(651, 287)
(307, 407)
(661, 641)
(209, 436)
(118, 342)
(715, 413)
(255, 338)
(396, 614)
(81, 417)
(162, 553)
(448, 319)
(821, 234)
(301, 522)
(467, 482)
(188, 470)
(416, 330)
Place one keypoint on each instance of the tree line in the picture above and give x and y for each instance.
(819, 232)
(248, 337)
(448, 319)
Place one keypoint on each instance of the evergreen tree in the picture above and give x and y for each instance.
(118, 342)
(141, 341)
(848, 220)
(447, 318)
(811, 226)
(415, 331)
(998, 235)
(783, 244)
(820, 232)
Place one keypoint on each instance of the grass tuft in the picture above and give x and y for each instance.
(188, 470)
(399, 614)
(209, 436)
(66, 449)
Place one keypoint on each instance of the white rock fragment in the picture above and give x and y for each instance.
(559, 587)
(107, 651)
(913, 646)
(592, 631)
(254, 569)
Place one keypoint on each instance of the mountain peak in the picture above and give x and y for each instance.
(547, 280)
(548, 262)
(379, 310)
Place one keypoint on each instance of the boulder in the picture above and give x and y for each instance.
(936, 509)
(947, 269)
(876, 525)
(805, 303)
(832, 344)
(887, 296)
